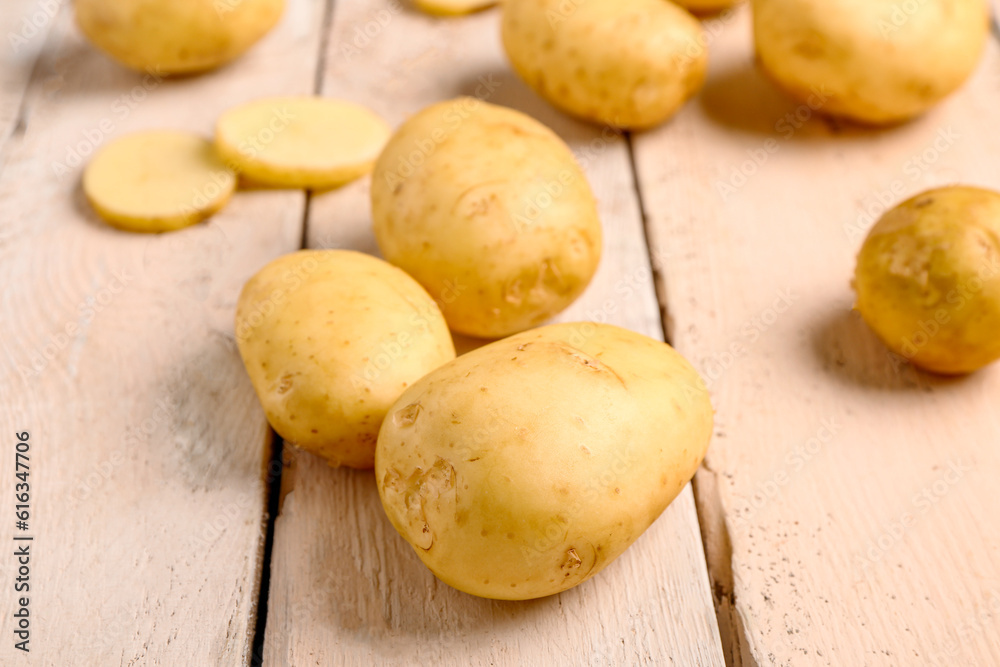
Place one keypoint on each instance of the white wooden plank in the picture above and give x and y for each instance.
(346, 589)
(24, 25)
(824, 548)
(116, 354)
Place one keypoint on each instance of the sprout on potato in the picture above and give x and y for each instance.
(928, 279)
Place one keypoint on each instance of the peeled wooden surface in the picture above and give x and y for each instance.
(346, 589)
(849, 500)
(148, 445)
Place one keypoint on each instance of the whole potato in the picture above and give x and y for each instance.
(624, 63)
(330, 339)
(928, 279)
(176, 36)
(874, 61)
(489, 211)
(523, 468)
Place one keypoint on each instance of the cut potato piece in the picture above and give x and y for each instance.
(452, 7)
(157, 181)
(301, 142)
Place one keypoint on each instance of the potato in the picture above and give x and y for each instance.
(301, 142)
(157, 181)
(330, 338)
(489, 211)
(176, 36)
(452, 7)
(623, 63)
(877, 61)
(706, 6)
(928, 279)
(523, 468)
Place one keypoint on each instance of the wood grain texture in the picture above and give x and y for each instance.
(346, 589)
(850, 500)
(24, 25)
(116, 354)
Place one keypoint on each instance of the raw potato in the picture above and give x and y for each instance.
(301, 142)
(157, 181)
(624, 63)
(330, 338)
(928, 279)
(452, 7)
(176, 36)
(522, 468)
(707, 6)
(874, 61)
(489, 211)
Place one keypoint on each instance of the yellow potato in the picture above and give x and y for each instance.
(452, 7)
(624, 63)
(301, 142)
(928, 279)
(157, 181)
(176, 36)
(706, 6)
(489, 211)
(330, 338)
(523, 468)
(874, 61)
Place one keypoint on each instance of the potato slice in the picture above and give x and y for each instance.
(452, 7)
(157, 181)
(301, 142)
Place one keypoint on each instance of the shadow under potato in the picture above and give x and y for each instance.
(505, 88)
(745, 99)
(849, 350)
(369, 584)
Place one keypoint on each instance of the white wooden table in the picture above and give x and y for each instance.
(847, 508)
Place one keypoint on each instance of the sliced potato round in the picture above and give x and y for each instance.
(157, 181)
(301, 142)
(452, 7)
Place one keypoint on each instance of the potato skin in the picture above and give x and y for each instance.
(928, 279)
(489, 211)
(868, 59)
(330, 338)
(623, 63)
(522, 468)
(706, 6)
(176, 36)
